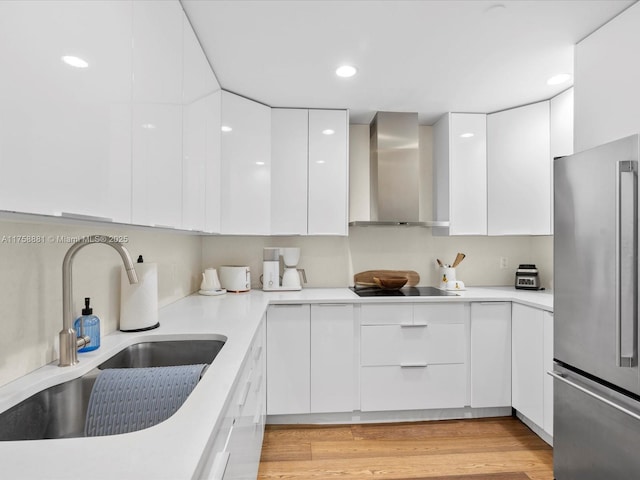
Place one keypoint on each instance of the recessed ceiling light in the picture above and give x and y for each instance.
(558, 79)
(346, 71)
(467, 135)
(328, 131)
(320, 162)
(148, 126)
(225, 128)
(76, 62)
(259, 163)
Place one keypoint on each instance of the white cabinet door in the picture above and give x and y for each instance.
(332, 358)
(200, 138)
(519, 171)
(288, 359)
(547, 364)
(561, 124)
(491, 354)
(157, 113)
(245, 166)
(328, 172)
(65, 132)
(201, 165)
(527, 362)
(289, 170)
(460, 159)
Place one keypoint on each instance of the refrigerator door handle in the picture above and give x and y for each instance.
(562, 377)
(626, 264)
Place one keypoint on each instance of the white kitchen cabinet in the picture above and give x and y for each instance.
(157, 113)
(561, 124)
(460, 165)
(235, 452)
(201, 98)
(547, 366)
(413, 358)
(328, 196)
(530, 356)
(606, 79)
(332, 358)
(65, 132)
(490, 354)
(289, 170)
(519, 171)
(288, 359)
(245, 166)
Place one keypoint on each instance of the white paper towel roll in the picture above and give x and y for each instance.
(139, 302)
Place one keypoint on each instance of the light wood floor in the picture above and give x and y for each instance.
(479, 449)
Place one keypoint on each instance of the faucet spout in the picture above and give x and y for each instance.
(69, 344)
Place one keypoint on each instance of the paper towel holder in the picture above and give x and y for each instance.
(139, 305)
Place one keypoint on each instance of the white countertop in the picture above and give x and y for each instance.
(173, 448)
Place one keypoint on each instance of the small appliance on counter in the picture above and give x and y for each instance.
(211, 283)
(527, 277)
(291, 278)
(235, 278)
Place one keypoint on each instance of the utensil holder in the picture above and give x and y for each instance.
(447, 274)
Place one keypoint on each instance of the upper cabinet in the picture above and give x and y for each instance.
(519, 171)
(245, 166)
(157, 113)
(328, 172)
(607, 97)
(309, 166)
(201, 99)
(460, 172)
(561, 124)
(65, 128)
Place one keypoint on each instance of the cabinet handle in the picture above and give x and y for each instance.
(80, 216)
(258, 416)
(493, 303)
(159, 225)
(245, 393)
(220, 465)
(413, 325)
(413, 365)
(256, 354)
(332, 304)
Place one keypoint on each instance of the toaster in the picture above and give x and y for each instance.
(527, 277)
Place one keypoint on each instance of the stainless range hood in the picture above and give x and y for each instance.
(394, 172)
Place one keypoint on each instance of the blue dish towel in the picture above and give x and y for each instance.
(128, 399)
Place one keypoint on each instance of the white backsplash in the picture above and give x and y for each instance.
(31, 283)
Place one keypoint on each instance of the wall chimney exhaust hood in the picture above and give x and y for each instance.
(394, 173)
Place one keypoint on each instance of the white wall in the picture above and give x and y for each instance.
(31, 284)
(607, 82)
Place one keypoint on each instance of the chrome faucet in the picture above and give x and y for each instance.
(69, 342)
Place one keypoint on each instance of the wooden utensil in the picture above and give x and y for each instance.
(439, 262)
(365, 279)
(390, 283)
(459, 258)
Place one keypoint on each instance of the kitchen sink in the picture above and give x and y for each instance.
(165, 354)
(59, 411)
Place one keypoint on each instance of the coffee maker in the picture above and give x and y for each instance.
(291, 278)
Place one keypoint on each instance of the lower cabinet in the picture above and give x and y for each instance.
(532, 357)
(413, 357)
(490, 354)
(310, 359)
(238, 444)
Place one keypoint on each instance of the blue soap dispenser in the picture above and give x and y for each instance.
(88, 324)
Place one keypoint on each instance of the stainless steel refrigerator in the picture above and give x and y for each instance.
(596, 375)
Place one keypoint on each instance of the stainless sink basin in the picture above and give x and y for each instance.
(60, 411)
(165, 354)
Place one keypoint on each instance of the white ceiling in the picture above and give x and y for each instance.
(428, 56)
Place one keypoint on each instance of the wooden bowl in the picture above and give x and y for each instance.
(390, 283)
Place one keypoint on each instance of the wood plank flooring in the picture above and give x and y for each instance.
(477, 449)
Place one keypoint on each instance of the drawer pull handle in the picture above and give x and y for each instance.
(413, 365)
(256, 354)
(220, 465)
(245, 393)
(413, 325)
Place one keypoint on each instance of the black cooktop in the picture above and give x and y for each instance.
(403, 292)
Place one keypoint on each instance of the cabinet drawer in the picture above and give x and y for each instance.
(435, 343)
(439, 312)
(414, 388)
(386, 314)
